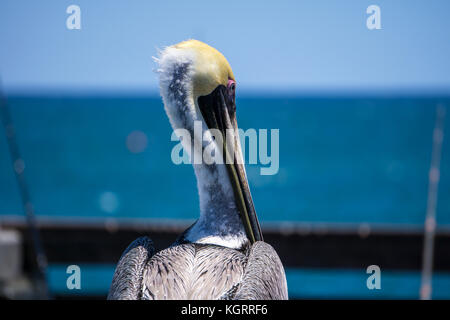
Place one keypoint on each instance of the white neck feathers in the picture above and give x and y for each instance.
(219, 221)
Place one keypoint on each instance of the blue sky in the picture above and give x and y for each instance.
(272, 45)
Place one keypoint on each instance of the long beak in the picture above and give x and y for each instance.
(219, 112)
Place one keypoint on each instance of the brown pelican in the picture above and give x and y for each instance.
(222, 255)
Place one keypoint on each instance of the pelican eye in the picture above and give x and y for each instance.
(231, 89)
(231, 86)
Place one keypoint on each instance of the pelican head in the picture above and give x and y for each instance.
(198, 86)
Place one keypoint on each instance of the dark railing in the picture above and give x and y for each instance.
(298, 245)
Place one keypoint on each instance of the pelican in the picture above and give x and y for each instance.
(222, 255)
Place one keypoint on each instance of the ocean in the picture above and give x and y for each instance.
(341, 160)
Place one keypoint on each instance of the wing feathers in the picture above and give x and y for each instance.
(264, 277)
(193, 271)
(198, 271)
(128, 277)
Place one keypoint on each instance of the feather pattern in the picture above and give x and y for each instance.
(264, 277)
(193, 271)
(127, 280)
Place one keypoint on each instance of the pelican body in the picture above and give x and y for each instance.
(222, 255)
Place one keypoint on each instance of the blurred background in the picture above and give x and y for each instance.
(360, 112)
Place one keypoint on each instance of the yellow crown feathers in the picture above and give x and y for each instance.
(211, 68)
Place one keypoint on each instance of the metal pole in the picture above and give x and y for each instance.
(38, 254)
(430, 219)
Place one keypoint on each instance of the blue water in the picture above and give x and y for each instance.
(342, 160)
(303, 283)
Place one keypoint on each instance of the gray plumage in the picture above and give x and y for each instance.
(198, 271)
